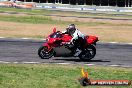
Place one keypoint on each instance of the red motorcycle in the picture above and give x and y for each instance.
(56, 43)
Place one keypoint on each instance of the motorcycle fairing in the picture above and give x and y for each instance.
(48, 47)
(91, 39)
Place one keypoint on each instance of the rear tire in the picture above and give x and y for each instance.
(89, 53)
(44, 53)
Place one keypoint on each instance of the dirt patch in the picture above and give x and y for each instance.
(92, 20)
(24, 29)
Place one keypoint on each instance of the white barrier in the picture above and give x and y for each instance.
(84, 8)
(125, 10)
(111, 10)
(68, 7)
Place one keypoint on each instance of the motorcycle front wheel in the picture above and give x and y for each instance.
(89, 53)
(44, 53)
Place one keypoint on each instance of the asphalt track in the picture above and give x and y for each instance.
(22, 50)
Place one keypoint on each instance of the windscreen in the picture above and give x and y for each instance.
(56, 35)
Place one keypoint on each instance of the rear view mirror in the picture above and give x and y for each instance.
(54, 29)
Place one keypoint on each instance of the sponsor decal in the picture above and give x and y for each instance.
(85, 81)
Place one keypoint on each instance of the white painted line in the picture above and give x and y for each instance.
(113, 42)
(15, 62)
(30, 62)
(43, 39)
(126, 66)
(114, 65)
(130, 43)
(90, 64)
(2, 37)
(4, 62)
(119, 43)
(20, 62)
(31, 39)
(63, 63)
(25, 38)
(1, 61)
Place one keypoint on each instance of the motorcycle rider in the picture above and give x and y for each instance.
(78, 38)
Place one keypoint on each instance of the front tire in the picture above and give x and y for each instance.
(89, 53)
(44, 53)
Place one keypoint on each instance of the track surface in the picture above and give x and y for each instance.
(16, 50)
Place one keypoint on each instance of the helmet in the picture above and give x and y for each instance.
(71, 27)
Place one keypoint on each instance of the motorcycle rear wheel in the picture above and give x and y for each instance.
(44, 54)
(89, 53)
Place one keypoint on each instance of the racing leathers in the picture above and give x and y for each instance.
(78, 40)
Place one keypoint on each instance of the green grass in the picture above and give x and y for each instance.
(30, 11)
(37, 19)
(27, 19)
(56, 76)
(50, 20)
(46, 20)
(69, 13)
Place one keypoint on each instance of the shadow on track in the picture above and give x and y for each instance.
(78, 60)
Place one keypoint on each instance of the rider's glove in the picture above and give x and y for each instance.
(65, 43)
(68, 43)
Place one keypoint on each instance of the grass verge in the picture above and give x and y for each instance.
(46, 20)
(115, 15)
(56, 76)
(51, 20)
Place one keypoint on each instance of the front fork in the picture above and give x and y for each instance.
(49, 48)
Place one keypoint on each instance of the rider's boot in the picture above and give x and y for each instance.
(77, 52)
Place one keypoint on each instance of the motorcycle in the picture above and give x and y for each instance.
(57, 40)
